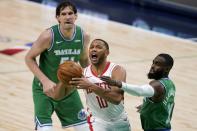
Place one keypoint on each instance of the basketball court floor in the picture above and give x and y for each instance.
(21, 22)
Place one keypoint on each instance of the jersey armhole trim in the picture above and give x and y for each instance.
(85, 71)
(112, 68)
(52, 39)
(82, 38)
(163, 86)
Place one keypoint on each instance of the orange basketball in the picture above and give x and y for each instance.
(68, 70)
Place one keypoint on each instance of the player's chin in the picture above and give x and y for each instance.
(94, 61)
(68, 26)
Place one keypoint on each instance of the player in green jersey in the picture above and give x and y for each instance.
(61, 42)
(157, 108)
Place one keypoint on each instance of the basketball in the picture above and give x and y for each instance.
(68, 70)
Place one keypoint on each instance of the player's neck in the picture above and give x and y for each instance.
(67, 33)
(100, 68)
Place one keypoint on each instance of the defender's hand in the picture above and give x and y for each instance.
(111, 82)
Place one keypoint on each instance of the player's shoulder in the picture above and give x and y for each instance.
(118, 69)
(117, 66)
(46, 34)
(44, 39)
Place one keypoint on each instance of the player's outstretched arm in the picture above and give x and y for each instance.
(136, 90)
(154, 89)
(111, 82)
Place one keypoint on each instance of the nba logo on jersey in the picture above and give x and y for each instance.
(82, 114)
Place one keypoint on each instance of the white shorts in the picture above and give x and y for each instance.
(121, 124)
(83, 127)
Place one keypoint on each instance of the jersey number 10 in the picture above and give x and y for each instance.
(102, 102)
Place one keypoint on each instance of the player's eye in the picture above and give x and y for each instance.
(70, 13)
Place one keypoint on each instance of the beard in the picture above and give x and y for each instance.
(99, 60)
(156, 75)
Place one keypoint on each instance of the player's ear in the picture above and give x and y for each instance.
(167, 69)
(57, 17)
(76, 16)
(107, 52)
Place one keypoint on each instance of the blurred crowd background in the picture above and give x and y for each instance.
(172, 17)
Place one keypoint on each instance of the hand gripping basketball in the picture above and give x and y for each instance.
(68, 70)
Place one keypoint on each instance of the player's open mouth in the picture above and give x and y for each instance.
(94, 57)
(68, 22)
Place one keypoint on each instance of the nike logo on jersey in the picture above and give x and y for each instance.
(77, 40)
(58, 42)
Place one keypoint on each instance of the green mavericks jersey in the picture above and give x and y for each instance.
(61, 50)
(158, 115)
(69, 108)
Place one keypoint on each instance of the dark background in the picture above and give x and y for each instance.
(173, 17)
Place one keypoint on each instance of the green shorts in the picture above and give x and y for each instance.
(69, 110)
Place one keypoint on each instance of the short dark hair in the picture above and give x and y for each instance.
(64, 4)
(168, 59)
(105, 43)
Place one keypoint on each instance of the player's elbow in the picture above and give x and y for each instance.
(29, 59)
(26, 59)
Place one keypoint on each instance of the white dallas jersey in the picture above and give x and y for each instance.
(98, 106)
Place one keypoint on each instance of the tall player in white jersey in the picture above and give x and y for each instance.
(105, 103)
